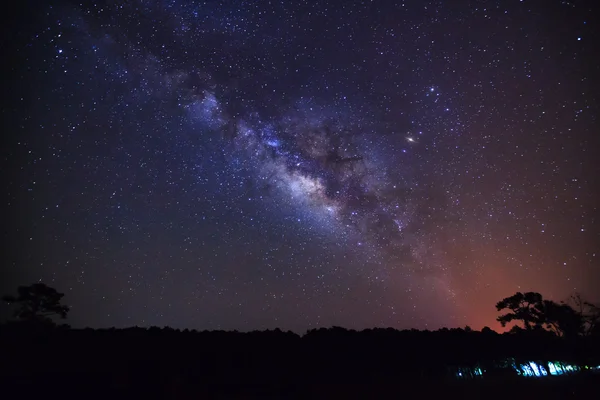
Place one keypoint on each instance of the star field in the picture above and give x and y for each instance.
(255, 164)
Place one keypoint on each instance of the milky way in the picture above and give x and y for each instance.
(251, 165)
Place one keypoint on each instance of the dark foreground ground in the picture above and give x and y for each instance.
(331, 363)
(585, 386)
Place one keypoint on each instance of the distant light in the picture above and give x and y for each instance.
(410, 139)
(59, 51)
(578, 38)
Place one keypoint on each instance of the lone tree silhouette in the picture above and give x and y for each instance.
(37, 303)
(525, 307)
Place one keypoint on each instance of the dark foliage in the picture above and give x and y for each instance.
(158, 362)
(37, 303)
(590, 314)
(537, 313)
(44, 360)
(524, 307)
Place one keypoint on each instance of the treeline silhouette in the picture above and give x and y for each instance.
(40, 357)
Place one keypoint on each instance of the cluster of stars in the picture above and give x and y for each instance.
(248, 165)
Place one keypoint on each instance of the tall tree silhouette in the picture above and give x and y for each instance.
(37, 302)
(524, 307)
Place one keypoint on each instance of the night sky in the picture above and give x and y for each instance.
(297, 164)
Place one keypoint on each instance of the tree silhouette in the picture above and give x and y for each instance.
(37, 302)
(524, 307)
(559, 318)
(562, 319)
(589, 313)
